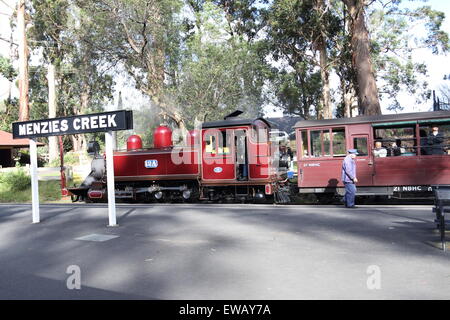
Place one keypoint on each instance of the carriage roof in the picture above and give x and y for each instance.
(396, 118)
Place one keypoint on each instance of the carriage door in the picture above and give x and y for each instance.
(241, 154)
(259, 152)
(217, 155)
(364, 161)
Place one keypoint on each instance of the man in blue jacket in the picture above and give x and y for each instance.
(349, 178)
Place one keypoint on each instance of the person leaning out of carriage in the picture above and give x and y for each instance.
(436, 141)
(349, 178)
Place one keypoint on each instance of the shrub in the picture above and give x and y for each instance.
(70, 158)
(16, 180)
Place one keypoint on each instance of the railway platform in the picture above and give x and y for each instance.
(213, 251)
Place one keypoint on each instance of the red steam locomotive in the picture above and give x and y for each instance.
(233, 159)
(247, 159)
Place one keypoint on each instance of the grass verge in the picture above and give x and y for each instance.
(48, 191)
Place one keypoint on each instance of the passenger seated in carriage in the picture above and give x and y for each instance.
(379, 151)
(396, 149)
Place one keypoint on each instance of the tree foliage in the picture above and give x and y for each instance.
(198, 60)
(220, 69)
(396, 33)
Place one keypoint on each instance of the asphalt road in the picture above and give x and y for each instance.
(223, 252)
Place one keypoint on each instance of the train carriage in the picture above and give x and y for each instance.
(408, 169)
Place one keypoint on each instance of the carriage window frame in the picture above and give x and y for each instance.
(355, 145)
(338, 130)
(303, 138)
(446, 133)
(409, 143)
(326, 143)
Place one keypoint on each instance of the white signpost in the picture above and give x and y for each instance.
(100, 122)
(34, 182)
(110, 178)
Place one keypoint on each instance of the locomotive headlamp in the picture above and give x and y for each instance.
(93, 148)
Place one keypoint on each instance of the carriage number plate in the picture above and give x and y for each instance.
(412, 188)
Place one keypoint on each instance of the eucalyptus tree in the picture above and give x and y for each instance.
(300, 36)
(221, 70)
(399, 34)
(9, 108)
(49, 21)
(74, 71)
(366, 85)
(142, 36)
(382, 45)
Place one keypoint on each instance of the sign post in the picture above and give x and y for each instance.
(110, 178)
(34, 182)
(107, 122)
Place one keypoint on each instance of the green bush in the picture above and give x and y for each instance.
(16, 180)
(70, 158)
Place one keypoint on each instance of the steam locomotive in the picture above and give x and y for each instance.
(250, 160)
(228, 160)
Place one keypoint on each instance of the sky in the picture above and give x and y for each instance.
(438, 66)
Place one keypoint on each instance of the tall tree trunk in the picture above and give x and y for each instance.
(325, 75)
(366, 87)
(321, 46)
(79, 142)
(53, 153)
(24, 111)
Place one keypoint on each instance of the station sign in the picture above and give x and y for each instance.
(97, 122)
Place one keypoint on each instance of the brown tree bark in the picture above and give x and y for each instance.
(24, 111)
(79, 142)
(366, 86)
(326, 112)
(53, 148)
(325, 75)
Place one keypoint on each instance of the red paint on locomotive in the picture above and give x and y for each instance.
(134, 142)
(162, 137)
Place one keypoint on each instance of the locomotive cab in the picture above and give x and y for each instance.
(240, 157)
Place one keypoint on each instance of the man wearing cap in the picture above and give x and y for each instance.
(436, 141)
(349, 178)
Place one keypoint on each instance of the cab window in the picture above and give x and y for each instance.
(224, 143)
(259, 132)
(210, 144)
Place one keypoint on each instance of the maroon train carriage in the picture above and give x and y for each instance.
(407, 169)
(230, 159)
